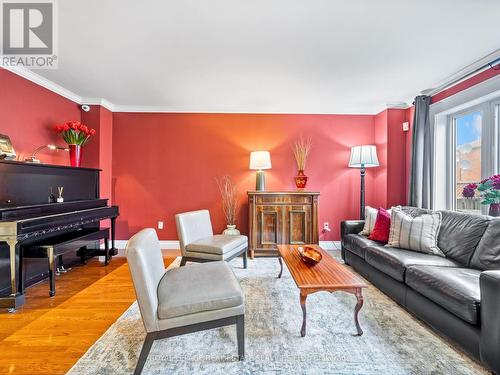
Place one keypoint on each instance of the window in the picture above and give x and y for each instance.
(472, 153)
(466, 138)
(467, 141)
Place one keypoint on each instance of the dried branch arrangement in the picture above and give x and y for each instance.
(229, 195)
(301, 149)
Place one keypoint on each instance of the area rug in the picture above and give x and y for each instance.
(393, 343)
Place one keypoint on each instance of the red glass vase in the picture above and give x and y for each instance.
(301, 180)
(75, 155)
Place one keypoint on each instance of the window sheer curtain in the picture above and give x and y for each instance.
(421, 173)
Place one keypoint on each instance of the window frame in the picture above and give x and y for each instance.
(487, 94)
(451, 141)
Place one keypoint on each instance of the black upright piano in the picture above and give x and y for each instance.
(27, 217)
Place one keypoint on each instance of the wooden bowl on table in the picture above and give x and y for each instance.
(310, 255)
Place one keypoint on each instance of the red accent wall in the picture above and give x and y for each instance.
(380, 173)
(409, 134)
(98, 152)
(390, 177)
(28, 113)
(164, 164)
(396, 159)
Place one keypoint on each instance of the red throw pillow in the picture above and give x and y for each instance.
(380, 232)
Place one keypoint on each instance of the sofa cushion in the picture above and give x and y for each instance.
(218, 244)
(460, 234)
(356, 243)
(197, 288)
(487, 254)
(455, 289)
(394, 261)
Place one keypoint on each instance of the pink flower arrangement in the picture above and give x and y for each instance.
(469, 190)
(488, 188)
(75, 133)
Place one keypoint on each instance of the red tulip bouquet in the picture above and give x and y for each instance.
(76, 135)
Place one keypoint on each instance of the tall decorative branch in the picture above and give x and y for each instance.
(229, 195)
(301, 149)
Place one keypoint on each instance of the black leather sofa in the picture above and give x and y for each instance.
(457, 295)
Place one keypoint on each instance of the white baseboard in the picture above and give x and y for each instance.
(330, 245)
(172, 244)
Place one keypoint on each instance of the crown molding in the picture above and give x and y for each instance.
(44, 82)
(54, 87)
(397, 105)
(58, 89)
(98, 101)
(163, 109)
(452, 79)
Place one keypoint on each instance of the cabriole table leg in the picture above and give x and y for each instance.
(359, 305)
(303, 298)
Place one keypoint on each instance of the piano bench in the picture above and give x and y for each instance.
(57, 246)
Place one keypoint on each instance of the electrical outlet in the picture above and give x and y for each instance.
(406, 126)
(326, 227)
(160, 225)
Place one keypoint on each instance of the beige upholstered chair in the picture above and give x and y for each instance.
(199, 244)
(182, 300)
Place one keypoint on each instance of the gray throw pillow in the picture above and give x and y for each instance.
(415, 233)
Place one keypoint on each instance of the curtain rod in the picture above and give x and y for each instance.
(493, 63)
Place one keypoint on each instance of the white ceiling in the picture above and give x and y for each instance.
(267, 56)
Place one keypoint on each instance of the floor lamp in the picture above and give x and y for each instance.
(363, 157)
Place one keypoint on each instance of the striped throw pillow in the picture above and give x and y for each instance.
(371, 218)
(417, 234)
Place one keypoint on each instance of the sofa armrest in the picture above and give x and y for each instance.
(351, 226)
(489, 282)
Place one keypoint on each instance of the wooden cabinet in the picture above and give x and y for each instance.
(281, 217)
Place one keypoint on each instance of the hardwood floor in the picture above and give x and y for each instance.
(48, 335)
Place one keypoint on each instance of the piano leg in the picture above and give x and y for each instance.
(113, 249)
(107, 253)
(83, 257)
(52, 273)
(15, 299)
(21, 271)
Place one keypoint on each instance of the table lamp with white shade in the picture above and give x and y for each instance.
(363, 157)
(260, 160)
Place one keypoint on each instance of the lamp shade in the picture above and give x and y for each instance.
(260, 160)
(363, 156)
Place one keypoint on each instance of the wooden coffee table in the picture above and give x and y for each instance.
(326, 276)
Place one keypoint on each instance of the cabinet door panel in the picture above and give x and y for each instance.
(298, 224)
(269, 227)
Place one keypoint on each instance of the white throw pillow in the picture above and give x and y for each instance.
(370, 218)
(415, 233)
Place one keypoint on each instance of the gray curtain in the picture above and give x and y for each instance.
(421, 174)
